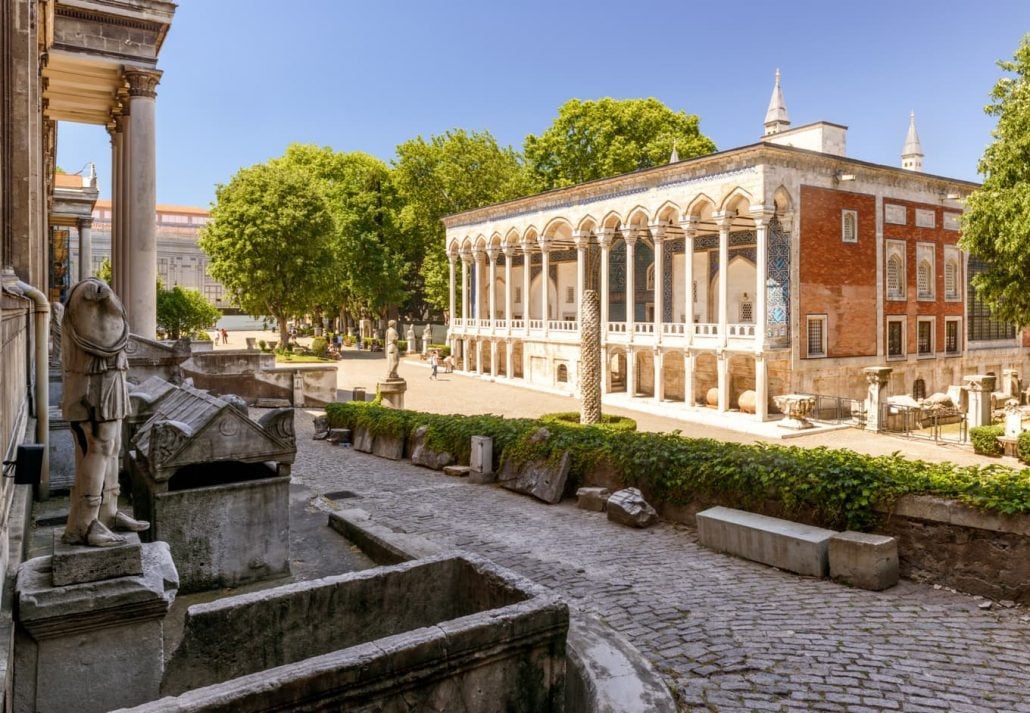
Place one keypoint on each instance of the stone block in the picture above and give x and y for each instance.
(363, 440)
(592, 498)
(391, 447)
(77, 564)
(272, 403)
(628, 507)
(422, 455)
(863, 560)
(459, 471)
(787, 545)
(543, 479)
(481, 459)
(339, 435)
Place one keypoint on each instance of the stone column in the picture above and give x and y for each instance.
(761, 387)
(493, 358)
(762, 243)
(590, 357)
(878, 378)
(465, 260)
(1010, 383)
(689, 229)
(631, 286)
(479, 356)
(581, 265)
(491, 296)
(545, 282)
(723, 367)
(604, 239)
(688, 378)
(509, 361)
(725, 222)
(465, 354)
(631, 372)
(509, 253)
(114, 129)
(142, 195)
(477, 299)
(85, 248)
(526, 302)
(451, 296)
(658, 232)
(980, 387)
(659, 382)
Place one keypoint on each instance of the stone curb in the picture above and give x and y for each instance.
(615, 678)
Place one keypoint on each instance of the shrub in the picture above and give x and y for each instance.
(262, 344)
(200, 336)
(985, 439)
(609, 421)
(1023, 446)
(320, 347)
(348, 341)
(402, 346)
(442, 349)
(834, 488)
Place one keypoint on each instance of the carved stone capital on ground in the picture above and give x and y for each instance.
(877, 374)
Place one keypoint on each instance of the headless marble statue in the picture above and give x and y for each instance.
(392, 355)
(94, 334)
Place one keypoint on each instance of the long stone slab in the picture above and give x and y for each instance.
(787, 545)
(78, 564)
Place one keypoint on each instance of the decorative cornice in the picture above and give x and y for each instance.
(142, 82)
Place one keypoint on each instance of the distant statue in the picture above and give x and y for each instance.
(56, 315)
(366, 328)
(392, 357)
(410, 336)
(94, 335)
(427, 338)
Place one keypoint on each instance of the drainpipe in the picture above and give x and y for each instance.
(41, 321)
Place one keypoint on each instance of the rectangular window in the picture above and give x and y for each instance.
(924, 336)
(849, 226)
(895, 338)
(952, 344)
(817, 336)
(570, 295)
(982, 325)
(518, 295)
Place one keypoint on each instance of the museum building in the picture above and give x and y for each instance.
(780, 267)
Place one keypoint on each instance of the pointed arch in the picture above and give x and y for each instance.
(668, 213)
(511, 237)
(612, 220)
(558, 227)
(783, 203)
(587, 224)
(495, 240)
(638, 217)
(700, 207)
(738, 199)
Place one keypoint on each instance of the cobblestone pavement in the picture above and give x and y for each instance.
(728, 635)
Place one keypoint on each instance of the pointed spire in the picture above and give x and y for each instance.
(675, 157)
(912, 154)
(92, 175)
(776, 118)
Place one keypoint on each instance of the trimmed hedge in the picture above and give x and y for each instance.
(835, 488)
(1023, 446)
(985, 440)
(571, 418)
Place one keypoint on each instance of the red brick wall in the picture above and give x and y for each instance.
(838, 279)
(914, 308)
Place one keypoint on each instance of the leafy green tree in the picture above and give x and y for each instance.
(269, 240)
(450, 173)
(607, 137)
(368, 253)
(996, 224)
(182, 311)
(104, 271)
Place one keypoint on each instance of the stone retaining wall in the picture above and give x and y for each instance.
(255, 375)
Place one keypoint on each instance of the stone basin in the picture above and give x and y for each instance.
(435, 630)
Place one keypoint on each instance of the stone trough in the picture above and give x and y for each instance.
(215, 486)
(420, 635)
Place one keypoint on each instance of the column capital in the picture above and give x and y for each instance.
(877, 374)
(477, 253)
(580, 238)
(142, 82)
(689, 225)
(527, 246)
(724, 220)
(762, 215)
(466, 257)
(658, 231)
(509, 250)
(629, 235)
(85, 223)
(491, 252)
(452, 258)
(544, 243)
(605, 237)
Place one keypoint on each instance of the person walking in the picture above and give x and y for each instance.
(434, 363)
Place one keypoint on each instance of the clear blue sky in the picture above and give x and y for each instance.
(244, 78)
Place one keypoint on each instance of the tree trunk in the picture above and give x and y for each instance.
(284, 335)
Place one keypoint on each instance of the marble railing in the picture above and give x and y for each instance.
(746, 331)
(561, 325)
(705, 329)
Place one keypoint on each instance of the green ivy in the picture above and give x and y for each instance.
(985, 440)
(834, 488)
(1023, 446)
(609, 421)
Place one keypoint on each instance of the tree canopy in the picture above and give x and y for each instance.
(268, 240)
(996, 224)
(607, 137)
(450, 173)
(181, 312)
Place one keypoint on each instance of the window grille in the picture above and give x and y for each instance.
(570, 295)
(849, 226)
(982, 325)
(650, 276)
(747, 311)
(895, 339)
(923, 280)
(895, 283)
(924, 337)
(951, 336)
(918, 389)
(816, 336)
(563, 373)
(951, 280)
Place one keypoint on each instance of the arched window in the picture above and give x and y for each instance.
(951, 280)
(895, 277)
(747, 310)
(650, 276)
(918, 389)
(924, 280)
(563, 373)
(849, 226)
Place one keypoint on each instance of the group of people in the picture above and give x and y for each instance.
(435, 361)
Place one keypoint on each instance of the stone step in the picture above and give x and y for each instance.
(783, 544)
(460, 471)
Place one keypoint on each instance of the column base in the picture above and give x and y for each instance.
(392, 392)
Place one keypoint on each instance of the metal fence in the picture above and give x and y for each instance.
(837, 409)
(934, 423)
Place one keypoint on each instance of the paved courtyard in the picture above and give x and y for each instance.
(728, 635)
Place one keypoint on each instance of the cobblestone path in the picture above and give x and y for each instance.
(729, 635)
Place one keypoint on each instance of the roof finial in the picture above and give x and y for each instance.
(776, 118)
(675, 157)
(92, 175)
(912, 153)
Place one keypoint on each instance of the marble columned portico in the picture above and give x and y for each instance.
(509, 254)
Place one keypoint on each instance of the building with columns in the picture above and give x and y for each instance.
(779, 267)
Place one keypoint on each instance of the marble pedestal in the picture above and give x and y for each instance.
(96, 644)
(392, 392)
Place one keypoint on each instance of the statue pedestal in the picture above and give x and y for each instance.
(97, 644)
(392, 392)
(795, 408)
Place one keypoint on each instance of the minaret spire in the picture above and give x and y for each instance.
(912, 154)
(776, 118)
(675, 157)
